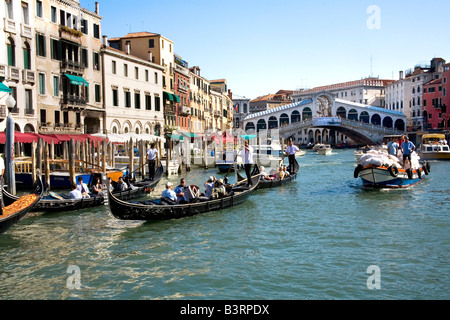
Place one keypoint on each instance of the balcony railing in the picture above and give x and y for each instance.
(28, 76)
(26, 31)
(3, 70)
(169, 110)
(13, 74)
(10, 25)
(69, 65)
(73, 100)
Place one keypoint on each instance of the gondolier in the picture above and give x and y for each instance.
(291, 150)
(247, 157)
(152, 153)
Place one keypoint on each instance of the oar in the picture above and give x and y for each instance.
(130, 174)
(225, 180)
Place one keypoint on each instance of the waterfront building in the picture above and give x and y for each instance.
(182, 90)
(18, 63)
(132, 93)
(201, 110)
(435, 101)
(241, 109)
(270, 101)
(369, 91)
(160, 50)
(223, 107)
(398, 97)
(68, 67)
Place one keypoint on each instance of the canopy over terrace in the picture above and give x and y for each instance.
(122, 138)
(56, 138)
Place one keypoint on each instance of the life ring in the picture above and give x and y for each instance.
(409, 173)
(357, 171)
(393, 170)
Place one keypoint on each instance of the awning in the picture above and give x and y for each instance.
(190, 134)
(76, 80)
(168, 96)
(176, 98)
(4, 88)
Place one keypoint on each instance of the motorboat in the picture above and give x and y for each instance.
(434, 147)
(324, 150)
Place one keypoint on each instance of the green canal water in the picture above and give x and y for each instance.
(313, 239)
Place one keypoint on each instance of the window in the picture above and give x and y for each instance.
(39, 12)
(127, 99)
(9, 9)
(53, 14)
(137, 100)
(148, 102)
(157, 103)
(41, 83)
(156, 78)
(62, 17)
(98, 96)
(96, 31)
(26, 57)
(125, 70)
(114, 67)
(162, 44)
(57, 117)
(115, 96)
(55, 48)
(25, 15)
(96, 61)
(11, 52)
(84, 26)
(84, 58)
(43, 117)
(78, 118)
(136, 73)
(151, 43)
(40, 45)
(28, 102)
(146, 75)
(66, 117)
(170, 47)
(56, 86)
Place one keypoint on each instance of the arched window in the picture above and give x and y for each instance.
(376, 120)
(245, 108)
(295, 117)
(341, 112)
(353, 115)
(388, 122)
(262, 125)
(284, 120)
(273, 122)
(364, 117)
(11, 52)
(306, 114)
(26, 56)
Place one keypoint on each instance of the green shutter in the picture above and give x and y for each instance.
(10, 56)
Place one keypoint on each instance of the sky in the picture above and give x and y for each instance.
(264, 46)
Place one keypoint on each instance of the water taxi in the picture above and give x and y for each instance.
(324, 150)
(434, 147)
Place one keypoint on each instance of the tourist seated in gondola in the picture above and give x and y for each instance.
(264, 174)
(209, 186)
(280, 174)
(219, 190)
(169, 196)
(75, 193)
(97, 188)
(83, 188)
(285, 172)
(121, 185)
(180, 192)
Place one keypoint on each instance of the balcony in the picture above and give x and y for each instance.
(28, 76)
(72, 66)
(13, 74)
(3, 71)
(10, 26)
(70, 34)
(217, 114)
(185, 111)
(73, 100)
(169, 110)
(26, 31)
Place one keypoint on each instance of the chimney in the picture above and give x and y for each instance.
(105, 40)
(128, 47)
(400, 75)
(96, 7)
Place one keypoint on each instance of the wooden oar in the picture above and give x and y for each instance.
(225, 180)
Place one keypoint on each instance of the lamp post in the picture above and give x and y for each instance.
(9, 147)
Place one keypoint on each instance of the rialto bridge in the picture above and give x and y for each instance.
(323, 118)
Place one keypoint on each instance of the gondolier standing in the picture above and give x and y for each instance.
(247, 156)
(291, 150)
(151, 157)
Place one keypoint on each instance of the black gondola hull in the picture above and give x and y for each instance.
(135, 211)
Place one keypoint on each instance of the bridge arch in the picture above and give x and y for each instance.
(250, 127)
(353, 115)
(376, 120)
(261, 125)
(400, 125)
(284, 119)
(388, 122)
(341, 112)
(306, 114)
(295, 116)
(364, 117)
(273, 122)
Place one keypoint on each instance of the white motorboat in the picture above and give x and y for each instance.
(434, 147)
(324, 150)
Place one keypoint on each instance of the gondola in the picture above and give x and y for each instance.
(160, 210)
(61, 202)
(19, 209)
(267, 184)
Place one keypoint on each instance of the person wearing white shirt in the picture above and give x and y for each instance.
(75, 193)
(152, 153)
(83, 188)
(291, 150)
(247, 156)
(169, 193)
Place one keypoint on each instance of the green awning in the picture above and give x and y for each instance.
(76, 80)
(4, 88)
(249, 137)
(176, 137)
(168, 96)
(176, 98)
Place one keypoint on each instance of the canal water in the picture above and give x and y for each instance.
(321, 237)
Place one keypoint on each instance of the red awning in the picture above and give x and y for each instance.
(225, 139)
(28, 137)
(20, 137)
